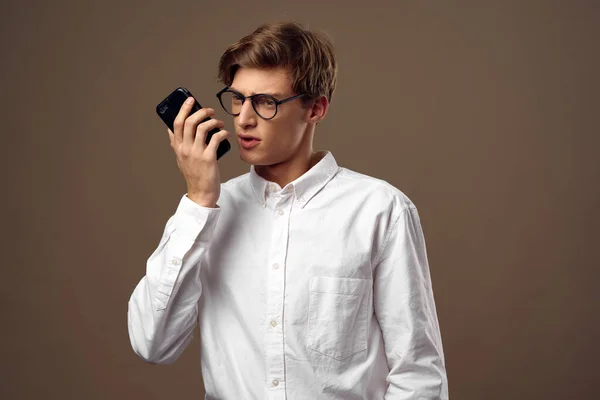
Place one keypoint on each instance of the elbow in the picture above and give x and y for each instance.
(153, 357)
(149, 353)
(155, 338)
(145, 347)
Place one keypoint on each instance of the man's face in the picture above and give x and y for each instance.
(284, 136)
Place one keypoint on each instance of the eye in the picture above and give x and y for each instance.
(264, 101)
(237, 98)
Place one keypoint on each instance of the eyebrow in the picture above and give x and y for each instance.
(276, 94)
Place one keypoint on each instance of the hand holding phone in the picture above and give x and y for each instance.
(196, 159)
(168, 109)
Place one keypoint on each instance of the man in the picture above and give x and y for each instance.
(308, 280)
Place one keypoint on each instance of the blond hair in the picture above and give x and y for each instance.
(308, 55)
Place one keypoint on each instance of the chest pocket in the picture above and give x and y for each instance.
(338, 315)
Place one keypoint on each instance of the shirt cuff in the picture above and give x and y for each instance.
(195, 222)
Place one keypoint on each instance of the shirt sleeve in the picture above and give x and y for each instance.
(405, 309)
(163, 308)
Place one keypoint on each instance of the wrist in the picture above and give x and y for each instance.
(202, 200)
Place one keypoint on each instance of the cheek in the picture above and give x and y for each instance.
(287, 134)
(292, 127)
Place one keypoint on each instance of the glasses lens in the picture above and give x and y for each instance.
(231, 102)
(265, 106)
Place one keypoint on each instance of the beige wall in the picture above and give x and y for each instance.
(483, 113)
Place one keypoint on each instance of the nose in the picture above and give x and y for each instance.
(247, 117)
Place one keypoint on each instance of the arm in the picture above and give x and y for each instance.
(405, 308)
(163, 307)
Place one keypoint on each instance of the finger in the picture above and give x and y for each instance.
(178, 123)
(191, 124)
(216, 139)
(203, 130)
(171, 137)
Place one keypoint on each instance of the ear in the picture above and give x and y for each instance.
(318, 110)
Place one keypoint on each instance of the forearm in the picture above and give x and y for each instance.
(417, 367)
(406, 311)
(162, 310)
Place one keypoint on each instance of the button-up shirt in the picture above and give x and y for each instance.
(317, 290)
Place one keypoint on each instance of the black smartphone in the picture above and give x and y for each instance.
(168, 109)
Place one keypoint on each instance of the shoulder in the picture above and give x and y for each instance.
(235, 190)
(236, 182)
(377, 192)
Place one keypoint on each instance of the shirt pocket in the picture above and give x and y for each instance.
(338, 311)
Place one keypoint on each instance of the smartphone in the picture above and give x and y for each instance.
(168, 109)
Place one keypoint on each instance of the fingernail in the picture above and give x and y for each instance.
(190, 100)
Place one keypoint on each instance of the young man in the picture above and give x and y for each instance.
(308, 280)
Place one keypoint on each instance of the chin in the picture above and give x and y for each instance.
(258, 159)
(253, 158)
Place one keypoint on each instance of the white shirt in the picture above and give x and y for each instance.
(318, 290)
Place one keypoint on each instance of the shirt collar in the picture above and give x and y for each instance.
(304, 187)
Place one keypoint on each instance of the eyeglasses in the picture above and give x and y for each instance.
(264, 105)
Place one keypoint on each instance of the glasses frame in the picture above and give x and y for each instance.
(276, 101)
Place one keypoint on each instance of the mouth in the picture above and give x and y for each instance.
(245, 137)
(247, 141)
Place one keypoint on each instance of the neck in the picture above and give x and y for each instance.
(289, 170)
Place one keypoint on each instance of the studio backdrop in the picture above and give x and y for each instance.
(485, 114)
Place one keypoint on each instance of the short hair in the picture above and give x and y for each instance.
(308, 55)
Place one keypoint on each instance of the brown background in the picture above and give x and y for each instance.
(483, 113)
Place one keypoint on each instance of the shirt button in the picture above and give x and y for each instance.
(276, 266)
(273, 323)
(176, 261)
(275, 382)
(280, 212)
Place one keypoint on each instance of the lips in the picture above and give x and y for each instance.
(247, 142)
(244, 136)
